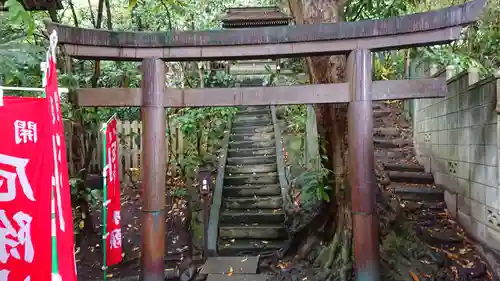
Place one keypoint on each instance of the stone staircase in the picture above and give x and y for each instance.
(421, 200)
(394, 152)
(251, 220)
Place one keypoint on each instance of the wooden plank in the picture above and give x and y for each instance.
(134, 149)
(127, 152)
(320, 93)
(335, 93)
(304, 94)
(409, 89)
(459, 15)
(222, 265)
(237, 277)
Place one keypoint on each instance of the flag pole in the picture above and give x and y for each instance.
(104, 202)
(51, 52)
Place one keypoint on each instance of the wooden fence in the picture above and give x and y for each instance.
(130, 147)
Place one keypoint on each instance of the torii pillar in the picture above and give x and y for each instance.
(153, 170)
(361, 166)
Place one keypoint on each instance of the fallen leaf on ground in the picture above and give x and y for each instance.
(414, 276)
(425, 275)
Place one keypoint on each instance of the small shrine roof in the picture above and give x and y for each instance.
(254, 16)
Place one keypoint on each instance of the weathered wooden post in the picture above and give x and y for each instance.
(361, 166)
(153, 171)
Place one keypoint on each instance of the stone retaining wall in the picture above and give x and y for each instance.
(456, 138)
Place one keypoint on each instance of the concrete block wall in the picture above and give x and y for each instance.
(456, 138)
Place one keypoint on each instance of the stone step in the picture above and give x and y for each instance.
(414, 193)
(269, 202)
(253, 217)
(253, 232)
(403, 167)
(385, 143)
(412, 205)
(251, 190)
(251, 109)
(389, 154)
(245, 152)
(250, 169)
(251, 144)
(248, 247)
(251, 160)
(381, 113)
(388, 132)
(411, 177)
(252, 129)
(439, 235)
(252, 137)
(252, 123)
(222, 265)
(260, 178)
(251, 117)
(254, 111)
(235, 277)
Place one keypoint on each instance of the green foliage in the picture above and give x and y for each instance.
(369, 9)
(478, 46)
(314, 186)
(296, 117)
(20, 63)
(389, 65)
(17, 16)
(202, 129)
(178, 192)
(80, 192)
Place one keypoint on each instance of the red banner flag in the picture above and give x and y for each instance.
(63, 264)
(113, 229)
(25, 180)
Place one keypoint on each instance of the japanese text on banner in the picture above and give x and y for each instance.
(113, 229)
(25, 180)
(62, 224)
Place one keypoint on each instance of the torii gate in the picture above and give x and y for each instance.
(356, 39)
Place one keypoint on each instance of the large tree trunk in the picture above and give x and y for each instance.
(332, 128)
(323, 69)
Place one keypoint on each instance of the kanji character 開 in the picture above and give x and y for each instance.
(20, 165)
(12, 238)
(25, 131)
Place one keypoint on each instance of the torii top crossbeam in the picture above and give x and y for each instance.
(430, 28)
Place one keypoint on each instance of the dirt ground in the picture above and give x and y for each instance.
(89, 254)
